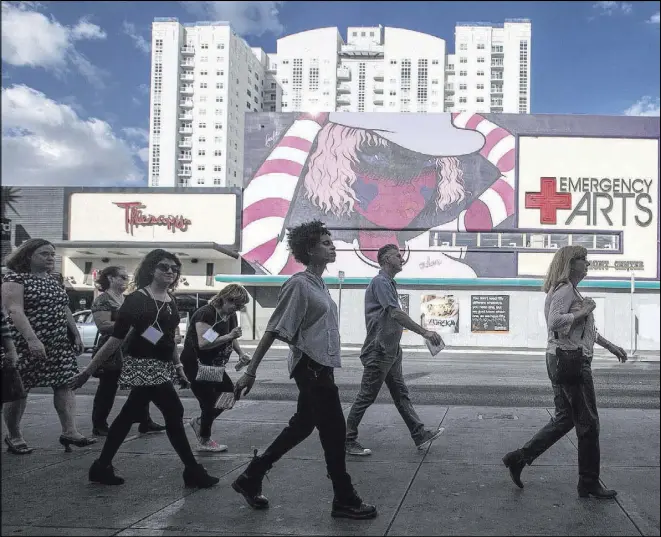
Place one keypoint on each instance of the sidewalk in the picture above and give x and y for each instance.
(456, 487)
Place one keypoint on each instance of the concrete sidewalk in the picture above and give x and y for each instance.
(456, 487)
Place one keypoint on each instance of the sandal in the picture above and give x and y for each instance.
(19, 448)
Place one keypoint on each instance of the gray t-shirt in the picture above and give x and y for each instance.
(383, 332)
(559, 309)
(305, 317)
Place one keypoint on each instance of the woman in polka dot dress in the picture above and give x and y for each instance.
(40, 323)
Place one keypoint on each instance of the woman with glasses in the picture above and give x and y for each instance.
(216, 334)
(46, 338)
(571, 331)
(148, 320)
(112, 282)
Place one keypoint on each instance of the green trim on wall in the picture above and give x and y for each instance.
(449, 282)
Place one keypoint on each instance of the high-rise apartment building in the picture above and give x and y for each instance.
(490, 68)
(205, 77)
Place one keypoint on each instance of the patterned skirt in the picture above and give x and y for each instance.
(145, 372)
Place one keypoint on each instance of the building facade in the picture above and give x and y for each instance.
(205, 79)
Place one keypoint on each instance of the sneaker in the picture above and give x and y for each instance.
(211, 445)
(195, 425)
(150, 427)
(428, 437)
(354, 448)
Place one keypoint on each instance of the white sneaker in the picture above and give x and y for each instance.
(195, 425)
(211, 445)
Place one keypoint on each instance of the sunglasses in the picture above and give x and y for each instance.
(164, 267)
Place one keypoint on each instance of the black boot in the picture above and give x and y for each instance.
(594, 488)
(515, 463)
(197, 476)
(249, 483)
(352, 507)
(104, 474)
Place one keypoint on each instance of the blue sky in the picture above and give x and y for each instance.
(75, 75)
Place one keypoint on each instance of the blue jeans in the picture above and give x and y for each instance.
(380, 368)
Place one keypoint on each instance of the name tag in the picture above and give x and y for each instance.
(153, 335)
(211, 335)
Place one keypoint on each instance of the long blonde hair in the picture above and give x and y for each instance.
(330, 177)
(560, 267)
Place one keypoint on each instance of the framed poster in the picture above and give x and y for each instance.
(490, 313)
(439, 313)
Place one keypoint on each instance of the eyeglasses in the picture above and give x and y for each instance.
(164, 267)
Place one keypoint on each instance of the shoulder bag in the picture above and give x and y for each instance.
(570, 362)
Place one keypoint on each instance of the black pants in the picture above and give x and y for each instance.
(207, 393)
(165, 397)
(575, 406)
(105, 398)
(318, 406)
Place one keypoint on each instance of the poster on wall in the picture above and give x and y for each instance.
(490, 313)
(440, 313)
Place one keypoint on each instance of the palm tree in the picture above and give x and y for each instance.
(10, 195)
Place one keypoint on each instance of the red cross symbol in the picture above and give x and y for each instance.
(548, 201)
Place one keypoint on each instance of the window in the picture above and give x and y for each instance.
(202, 125)
(249, 93)
(219, 111)
(218, 126)
(219, 98)
(463, 73)
(217, 169)
(203, 111)
(480, 46)
(200, 167)
(463, 86)
(217, 153)
(393, 92)
(273, 85)
(480, 59)
(479, 100)
(220, 46)
(202, 139)
(393, 62)
(450, 66)
(204, 46)
(434, 62)
(480, 73)
(217, 181)
(434, 81)
(201, 153)
(218, 140)
(463, 60)
(204, 73)
(462, 99)
(219, 85)
(220, 73)
(463, 46)
(203, 85)
(204, 59)
(203, 98)
(480, 86)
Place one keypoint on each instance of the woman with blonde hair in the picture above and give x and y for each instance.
(571, 338)
(214, 333)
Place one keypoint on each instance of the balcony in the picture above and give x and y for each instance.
(188, 50)
(497, 90)
(497, 51)
(497, 64)
(186, 142)
(186, 129)
(185, 172)
(186, 157)
(449, 88)
(378, 87)
(188, 103)
(497, 103)
(187, 76)
(344, 109)
(344, 99)
(187, 62)
(378, 99)
(344, 88)
(496, 109)
(188, 90)
(497, 75)
(186, 117)
(378, 75)
(343, 73)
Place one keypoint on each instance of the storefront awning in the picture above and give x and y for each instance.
(113, 249)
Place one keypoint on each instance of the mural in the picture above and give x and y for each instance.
(420, 181)
(379, 178)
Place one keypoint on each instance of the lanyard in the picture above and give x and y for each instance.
(158, 309)
(219, 318)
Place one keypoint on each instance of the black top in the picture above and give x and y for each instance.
(139, 311)
(218, 356)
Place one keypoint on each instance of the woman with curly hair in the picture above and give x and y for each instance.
(571, 336)
(46, 338)
(112, 281)
(305, 317)
(148, 319)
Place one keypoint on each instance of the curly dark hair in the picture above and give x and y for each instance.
(103, 279)
(144, 273)
(19, 259)
(304, 237)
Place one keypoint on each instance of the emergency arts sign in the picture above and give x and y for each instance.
(598, 186)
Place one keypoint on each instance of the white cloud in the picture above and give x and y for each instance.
(247, 18)
(31, 39)
(610, 8)
(144, 89)
(646, 106)
(48, 143)
(144, 154)
(136, 133)
(654, 19)
(140, 42)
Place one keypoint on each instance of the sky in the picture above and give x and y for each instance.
(75, 75)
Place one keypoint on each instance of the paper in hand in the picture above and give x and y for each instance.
(435, 349)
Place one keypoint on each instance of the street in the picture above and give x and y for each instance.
(499, 380)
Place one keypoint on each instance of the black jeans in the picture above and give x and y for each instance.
(318, 406)
(165, 397)
(207, 393)
(105, 398)
(575, 406)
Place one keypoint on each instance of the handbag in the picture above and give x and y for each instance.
(225, 401)
(570, 364)
(210, 373)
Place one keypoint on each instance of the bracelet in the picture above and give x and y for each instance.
(250, 375)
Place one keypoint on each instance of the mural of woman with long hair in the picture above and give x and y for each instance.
(377, 178)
